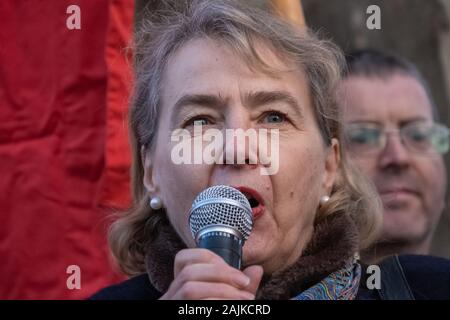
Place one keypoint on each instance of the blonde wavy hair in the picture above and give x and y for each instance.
(160, 35)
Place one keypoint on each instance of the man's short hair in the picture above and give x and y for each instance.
(374, 63)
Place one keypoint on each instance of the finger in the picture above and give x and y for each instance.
(193, 256)
(213, 272)
(194, 290)
(255, 274)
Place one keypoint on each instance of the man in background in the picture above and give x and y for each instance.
(393, 135)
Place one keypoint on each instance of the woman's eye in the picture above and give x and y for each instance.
(275, 117)
(201, 122)
(198, 121)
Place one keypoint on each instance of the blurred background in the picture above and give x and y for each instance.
(63, 138)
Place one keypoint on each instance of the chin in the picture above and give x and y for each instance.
(254, 253)
(404, 232)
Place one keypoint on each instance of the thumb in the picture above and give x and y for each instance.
(255, 274)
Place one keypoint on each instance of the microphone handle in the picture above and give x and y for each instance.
(225, 245)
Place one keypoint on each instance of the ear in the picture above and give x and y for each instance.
(148, 179)
(332, 162)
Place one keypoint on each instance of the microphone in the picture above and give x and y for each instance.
(221, 220)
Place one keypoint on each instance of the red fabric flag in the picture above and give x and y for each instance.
(115, 183)
(53, 88)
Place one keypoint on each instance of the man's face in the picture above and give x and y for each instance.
(411, 184)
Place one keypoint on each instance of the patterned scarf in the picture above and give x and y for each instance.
(340, 285)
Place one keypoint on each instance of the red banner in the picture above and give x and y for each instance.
(54, 93)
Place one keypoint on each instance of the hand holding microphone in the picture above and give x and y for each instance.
(220, 221)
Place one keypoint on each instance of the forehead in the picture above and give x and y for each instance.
(394, 99)
(209, 67)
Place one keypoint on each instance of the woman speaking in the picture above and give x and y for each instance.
(218, 66)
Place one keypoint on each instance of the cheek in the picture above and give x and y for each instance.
(311, 172)
(368, 166)
(178, 186)
(298, 184)
(433, 174)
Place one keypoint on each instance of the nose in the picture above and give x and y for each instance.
(241, 142)
(394, 156)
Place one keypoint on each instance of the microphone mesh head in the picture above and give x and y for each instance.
(221, 205)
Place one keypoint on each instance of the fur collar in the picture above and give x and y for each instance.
(332, 246)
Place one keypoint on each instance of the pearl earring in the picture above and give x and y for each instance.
(324, 199)
(156, 203)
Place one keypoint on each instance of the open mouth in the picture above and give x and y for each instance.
(255, 200)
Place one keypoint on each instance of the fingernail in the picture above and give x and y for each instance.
(243, 280)
(250, 296)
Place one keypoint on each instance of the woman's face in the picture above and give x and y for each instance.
(206, 83)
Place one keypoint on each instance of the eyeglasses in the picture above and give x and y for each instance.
(419, 137)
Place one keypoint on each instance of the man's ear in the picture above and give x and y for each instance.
(332, 162)
(147, 164)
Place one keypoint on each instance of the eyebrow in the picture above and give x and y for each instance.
(260, 98)
(251, 99)
(211, 101)
(401, 123)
